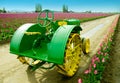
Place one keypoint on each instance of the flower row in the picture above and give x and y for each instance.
(94, 72)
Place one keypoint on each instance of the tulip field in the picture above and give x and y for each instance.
(9, 22)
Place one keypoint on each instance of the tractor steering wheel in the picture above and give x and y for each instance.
(46, 20)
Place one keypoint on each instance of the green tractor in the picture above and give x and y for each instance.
(49, 43)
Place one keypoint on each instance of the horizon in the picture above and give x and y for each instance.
(73, 5)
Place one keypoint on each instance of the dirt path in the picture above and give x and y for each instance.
(12, 71)
(112, 70)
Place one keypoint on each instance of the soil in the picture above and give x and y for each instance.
(12, 71)
(112, 70)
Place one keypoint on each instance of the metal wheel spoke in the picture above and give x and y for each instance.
(72, 55)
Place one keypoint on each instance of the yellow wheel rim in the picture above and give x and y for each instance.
(21, 59)
(87, 45)
(29, 61)
(72, 56)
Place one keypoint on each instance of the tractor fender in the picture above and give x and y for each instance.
(56, 48)
(20, 41)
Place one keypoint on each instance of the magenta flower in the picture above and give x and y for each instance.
(99, 52)
(86, 72)
(79, 80)
(101, 44)
(95, 72)
(97, 59)
(93, 60)
(94, 65)
(103, 60)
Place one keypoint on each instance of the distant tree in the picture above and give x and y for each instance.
(65, 8)
(88, 12)
(38, 8)
(4, 11)
(1, 11)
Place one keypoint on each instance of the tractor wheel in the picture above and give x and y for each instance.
(34, 64)
(29, 61)
(86, 45)
(72, 56)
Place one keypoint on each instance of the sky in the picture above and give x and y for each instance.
(74, 5)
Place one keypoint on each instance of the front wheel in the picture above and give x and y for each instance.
(86, 45)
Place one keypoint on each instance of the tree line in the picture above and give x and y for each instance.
(2, 10)
(38, 8)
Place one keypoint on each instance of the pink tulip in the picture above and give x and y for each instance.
(79, 80)
(101, 44)
(103, 60)
(94, 65)
(86, 72)
(95, 72)
(97, 59)
(99, 52)
(93, 60)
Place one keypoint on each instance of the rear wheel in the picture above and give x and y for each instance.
(72, 56)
